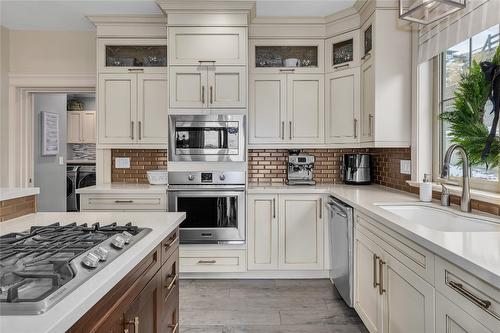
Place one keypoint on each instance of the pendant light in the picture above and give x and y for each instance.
(428, 11)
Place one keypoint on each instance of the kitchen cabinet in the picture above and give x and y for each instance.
(342, 106)
(216, 45)
(286, 108)
(342, 52)
(123, 202)
(367, 101)
(133, 109)
(81, 126)
(285, 232)
(450, 318)
(202, 87)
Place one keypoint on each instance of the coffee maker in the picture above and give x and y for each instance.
(300, 169)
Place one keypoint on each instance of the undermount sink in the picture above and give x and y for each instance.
(441, 219)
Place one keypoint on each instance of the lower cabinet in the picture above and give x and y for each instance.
(450, 318)
(285, 232)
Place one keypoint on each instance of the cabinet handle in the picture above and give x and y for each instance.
(136, 70)
(375, 258)
(290, 133)
(355, 128)
(207, 261)
(274, 208)
(210, 61)
(381, 289)
(320, 208)
(174, 327)
(370, 121)
(140, 130)
(132, 130)
(202, 94)
(459, 288)
(287, 70)
(171, 284)
(169, 244)
(211, 95)
(341, 66)
(134, 322)
(282, 130)
(124, 201)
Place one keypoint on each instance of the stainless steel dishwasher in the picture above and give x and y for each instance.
(341, 230)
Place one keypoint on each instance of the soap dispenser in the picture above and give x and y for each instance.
(426, 188)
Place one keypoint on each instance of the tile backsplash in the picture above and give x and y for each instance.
(141, 160)
(82, 151)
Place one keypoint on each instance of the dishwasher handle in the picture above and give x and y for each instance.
(337, 209)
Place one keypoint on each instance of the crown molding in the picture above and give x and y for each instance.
(214, 6)
(128, 19)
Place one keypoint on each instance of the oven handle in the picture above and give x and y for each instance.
(206, 188)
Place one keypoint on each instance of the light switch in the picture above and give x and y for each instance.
(61, 160)
(122, 162)
(405, 167)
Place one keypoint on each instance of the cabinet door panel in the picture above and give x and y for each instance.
(367, 100)
(450, 318)
(152, 108)
(300, 232)
(262, 232)
(226, 87)
(74, 128)
(188, 87)
(343, 107)
(409, 300)
(88, 127)
(305, 103)
(367, 301)
(267, 108)
(117, 108)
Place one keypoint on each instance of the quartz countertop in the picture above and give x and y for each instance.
(123, 188)
(7, 193)
(476, 252)
(64, 314)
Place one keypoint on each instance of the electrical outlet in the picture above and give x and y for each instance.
(122, 162)
(405, 167)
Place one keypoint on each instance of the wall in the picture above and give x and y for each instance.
(52, 52)
(141, 160)
(4, 104)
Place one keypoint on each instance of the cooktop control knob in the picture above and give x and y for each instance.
(118, 242)
(190, 177)
(127, 236)
(222, 176)
(90, 260)
(102, 253)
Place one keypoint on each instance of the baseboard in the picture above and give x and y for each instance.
(259, 275)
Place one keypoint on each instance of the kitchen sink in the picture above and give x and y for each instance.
(442, 219)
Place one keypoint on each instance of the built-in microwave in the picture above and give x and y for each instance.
(207, 138)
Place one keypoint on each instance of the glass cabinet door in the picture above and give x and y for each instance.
(136, 56)
(343, 52)
(367, 40)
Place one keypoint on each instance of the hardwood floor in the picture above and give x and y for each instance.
(264, 306)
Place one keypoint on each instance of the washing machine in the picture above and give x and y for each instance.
(71, 183)
(86, 177)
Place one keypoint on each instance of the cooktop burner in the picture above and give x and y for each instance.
(35, 264)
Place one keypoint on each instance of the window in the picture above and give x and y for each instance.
(454, 62)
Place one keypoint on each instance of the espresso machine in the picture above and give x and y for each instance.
(300, 169)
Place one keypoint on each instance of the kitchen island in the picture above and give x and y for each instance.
(141, 266)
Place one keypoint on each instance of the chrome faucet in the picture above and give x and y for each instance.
(465, 200)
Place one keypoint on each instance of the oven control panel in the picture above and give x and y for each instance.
(206, 177)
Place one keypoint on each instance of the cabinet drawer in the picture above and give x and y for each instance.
(413, 256)
(123, 202)
(170, 277)
(213, 261)
(169, 245)
(478, 298)
(170, 313)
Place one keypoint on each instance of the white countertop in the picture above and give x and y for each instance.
(123, 188)
(7, 193)
(64, 314)
(476, 252)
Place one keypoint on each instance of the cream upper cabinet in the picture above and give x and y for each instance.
(127, 55)
(202, 45)
(342, 106)
(267, 104)
(287, 56)
(342, 52)
(286, 108)
(450, 318)
(117, 103)
(305, 102)
(133, 110)
(263, 232)
(205, 87)
(89, 124)
(367, 101)
(74, 127)
(81, 126)
(152, 108)
(301, 232)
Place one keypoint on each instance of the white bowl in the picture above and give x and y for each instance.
(291, 62)
(157, 177)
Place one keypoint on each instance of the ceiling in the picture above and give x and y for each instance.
(71, 14)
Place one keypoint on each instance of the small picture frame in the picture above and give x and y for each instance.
(50, 133)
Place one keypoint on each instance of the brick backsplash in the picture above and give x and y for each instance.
(141, 160)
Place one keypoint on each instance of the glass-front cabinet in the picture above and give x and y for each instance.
(132, 55)
(342, 51)
(367, 31)
(286, 56)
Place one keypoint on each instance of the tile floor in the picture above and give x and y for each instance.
(264, 306)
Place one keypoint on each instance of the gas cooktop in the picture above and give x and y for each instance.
(41, 266)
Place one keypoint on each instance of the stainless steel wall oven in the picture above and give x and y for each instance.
(214, 203)
(210, 138)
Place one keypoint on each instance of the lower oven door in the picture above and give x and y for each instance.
(212, 216)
